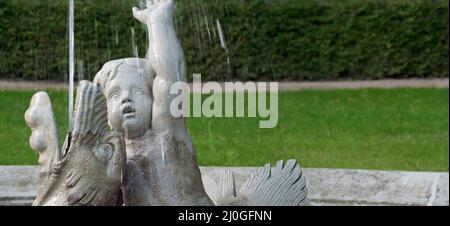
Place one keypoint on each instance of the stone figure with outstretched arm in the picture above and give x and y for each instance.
(162, 167)
(148, 158)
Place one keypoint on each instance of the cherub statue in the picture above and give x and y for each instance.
(148, 153)
(162, 166)
(161, 161)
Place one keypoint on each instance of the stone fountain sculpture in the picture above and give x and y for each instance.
(147, 157)
(88, 169)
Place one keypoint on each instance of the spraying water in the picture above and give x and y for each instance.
(221, 37)
(223, 44)
(133, 44)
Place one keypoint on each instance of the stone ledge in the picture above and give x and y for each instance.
(18, 185)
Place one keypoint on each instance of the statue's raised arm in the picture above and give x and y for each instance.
(166, 57)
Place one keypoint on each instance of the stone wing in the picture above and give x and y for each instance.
(96, 158)
(283, 185)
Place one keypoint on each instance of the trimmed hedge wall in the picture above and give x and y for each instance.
(264, 40)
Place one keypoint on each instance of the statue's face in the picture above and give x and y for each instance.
(129, 104)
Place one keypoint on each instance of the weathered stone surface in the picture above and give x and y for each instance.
(88, 169)
(441, 198)
(365, 187)
(19, 184)
(362, 187)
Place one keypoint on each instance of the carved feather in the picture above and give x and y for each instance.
(283, 185)
(90, 110)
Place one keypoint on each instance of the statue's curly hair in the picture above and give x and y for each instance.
(110, 70)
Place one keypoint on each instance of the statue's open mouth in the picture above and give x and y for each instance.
(128, 111)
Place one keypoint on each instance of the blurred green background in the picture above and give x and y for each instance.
(265, 40)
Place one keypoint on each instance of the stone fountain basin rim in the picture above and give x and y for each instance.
(18, 185)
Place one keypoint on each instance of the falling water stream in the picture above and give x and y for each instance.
(223, 44)
(71, 62)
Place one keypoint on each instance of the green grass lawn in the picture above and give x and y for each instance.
(396, 129)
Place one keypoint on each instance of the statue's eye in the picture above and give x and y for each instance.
(114, 95)
(138, 92)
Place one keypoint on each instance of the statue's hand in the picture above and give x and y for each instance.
(156, 9)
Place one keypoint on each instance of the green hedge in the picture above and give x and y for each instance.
(266, 40)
